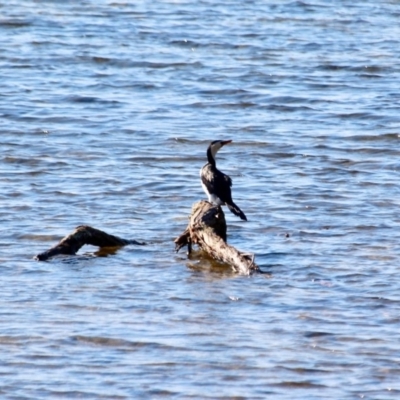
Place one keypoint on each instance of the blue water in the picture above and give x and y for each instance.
(106, 111)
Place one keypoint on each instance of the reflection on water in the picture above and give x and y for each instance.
(107, 110)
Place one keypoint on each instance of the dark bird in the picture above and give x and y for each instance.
(215, 183)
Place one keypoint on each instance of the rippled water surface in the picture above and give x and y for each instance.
(106, 110)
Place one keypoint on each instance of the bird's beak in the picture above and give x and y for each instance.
(224, 142)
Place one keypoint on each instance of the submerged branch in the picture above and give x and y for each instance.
(84, 235)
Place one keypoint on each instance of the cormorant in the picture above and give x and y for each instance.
(215, 183)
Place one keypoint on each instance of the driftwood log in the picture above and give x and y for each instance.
(84, 235)
(207, 229)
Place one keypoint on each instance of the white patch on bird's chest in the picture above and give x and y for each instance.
(207, 173)
(212, 198)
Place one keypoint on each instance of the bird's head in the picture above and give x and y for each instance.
(216, 145)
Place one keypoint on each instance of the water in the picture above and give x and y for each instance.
(107, 108)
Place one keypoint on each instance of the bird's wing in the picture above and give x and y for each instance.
(227, 179)
(218, 183)
(223, 186)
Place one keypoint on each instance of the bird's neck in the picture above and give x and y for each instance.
(210, 157)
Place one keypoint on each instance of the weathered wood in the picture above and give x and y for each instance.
(82, 235)
(207, 229)
(183, 240)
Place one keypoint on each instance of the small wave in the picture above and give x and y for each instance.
(387, 137)
(299, 385)
(15, 23)
(359, 115)
(89, 99)
(120, 343)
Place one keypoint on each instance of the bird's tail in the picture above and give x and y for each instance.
(237, 211)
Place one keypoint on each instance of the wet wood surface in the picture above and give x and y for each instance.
(82, 235)
(207, 228)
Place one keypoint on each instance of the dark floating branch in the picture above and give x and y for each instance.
(84, 235)
(207, 229)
